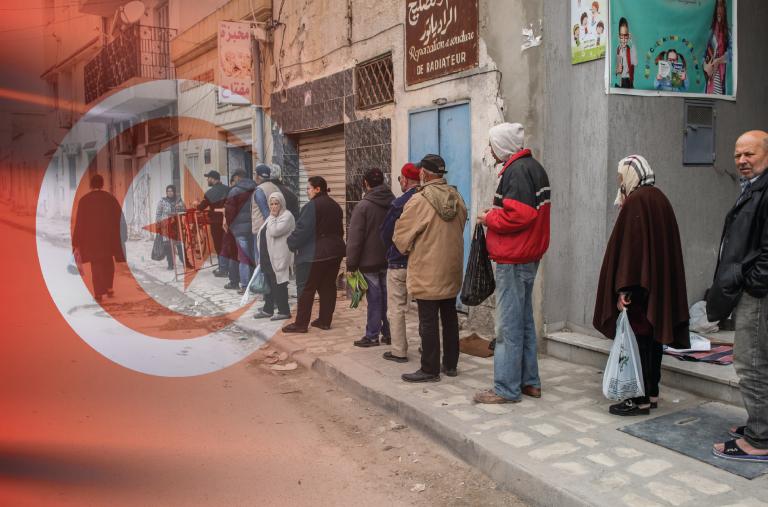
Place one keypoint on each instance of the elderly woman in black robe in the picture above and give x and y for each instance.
(643, 272)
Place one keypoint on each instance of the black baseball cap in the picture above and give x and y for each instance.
(433, 163)
(213, 174)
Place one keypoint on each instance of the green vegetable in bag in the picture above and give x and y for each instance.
(358, 286)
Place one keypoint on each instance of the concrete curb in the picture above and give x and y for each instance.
(514, 477)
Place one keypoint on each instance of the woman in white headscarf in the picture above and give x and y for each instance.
(276, 258)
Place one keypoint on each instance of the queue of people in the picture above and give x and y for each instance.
(411, 247)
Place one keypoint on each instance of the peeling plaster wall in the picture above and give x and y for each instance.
(316, 33)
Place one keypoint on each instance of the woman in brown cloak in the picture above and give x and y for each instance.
(643, 272)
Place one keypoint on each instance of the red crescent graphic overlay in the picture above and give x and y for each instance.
(149, 317)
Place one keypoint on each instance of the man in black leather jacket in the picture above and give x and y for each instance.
(741, 286)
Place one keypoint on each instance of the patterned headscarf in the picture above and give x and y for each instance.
(635, 172)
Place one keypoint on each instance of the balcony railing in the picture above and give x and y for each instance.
(140, 51)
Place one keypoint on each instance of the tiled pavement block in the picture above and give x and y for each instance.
(633, 500)
(553, 451)
(671, 493)
(545, 429)
(649, 467)
(516, 439)
(627, 452)
(572, 468)
(702, 484)
(465, 415)
(602, 459)
(588, 442)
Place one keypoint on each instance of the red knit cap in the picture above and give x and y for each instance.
(410, 171)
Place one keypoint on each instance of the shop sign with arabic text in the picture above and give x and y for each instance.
(441, 37)
(235, 62)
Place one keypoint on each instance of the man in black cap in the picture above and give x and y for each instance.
(366, 252)
(431, 232)
(214, 200)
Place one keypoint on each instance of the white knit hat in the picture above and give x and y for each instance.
(506, 139)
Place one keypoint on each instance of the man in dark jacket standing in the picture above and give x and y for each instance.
(741, 286)
(518, 237)
(213, 200)
(318, 241)
(366, 252)
(99, 235)
(397, 267)
(237, 211)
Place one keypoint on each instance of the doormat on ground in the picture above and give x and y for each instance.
(692, 432)
(721, 354)
(475, 346)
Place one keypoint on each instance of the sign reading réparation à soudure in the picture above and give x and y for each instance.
(441, 37)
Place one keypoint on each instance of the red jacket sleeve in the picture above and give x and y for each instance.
(514, 216)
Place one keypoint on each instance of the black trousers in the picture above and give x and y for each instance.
(169, 252)
(103, 275)
(651, 353)
(278, 292)
(429, 330)
(321, 280)
(217, 234)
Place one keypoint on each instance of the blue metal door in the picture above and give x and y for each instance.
(446, 131)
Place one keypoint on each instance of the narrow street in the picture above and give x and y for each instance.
(79, 430)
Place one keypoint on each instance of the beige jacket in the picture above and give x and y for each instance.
(431, 232)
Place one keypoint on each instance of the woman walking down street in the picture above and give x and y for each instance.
(643, 273)
(275, 258)
(169, 206)
(318, 241)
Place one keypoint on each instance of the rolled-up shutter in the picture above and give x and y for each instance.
(323, 155)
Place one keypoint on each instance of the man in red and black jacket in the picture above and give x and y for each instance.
(517, 238)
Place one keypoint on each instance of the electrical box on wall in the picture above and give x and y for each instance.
(699, 133)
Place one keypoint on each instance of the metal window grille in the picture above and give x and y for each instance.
(375, 82)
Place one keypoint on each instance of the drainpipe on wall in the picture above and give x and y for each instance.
(349, 23)
(259, 134)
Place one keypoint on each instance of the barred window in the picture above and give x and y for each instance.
(375, 82)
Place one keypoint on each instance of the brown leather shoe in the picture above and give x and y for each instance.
(533, 392)
(490, 397)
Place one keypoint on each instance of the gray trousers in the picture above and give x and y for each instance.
(397, 308)
(751, 362)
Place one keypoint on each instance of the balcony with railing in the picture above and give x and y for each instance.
(141, 52)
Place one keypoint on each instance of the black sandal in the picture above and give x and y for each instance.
(732, 451)
(738, 432)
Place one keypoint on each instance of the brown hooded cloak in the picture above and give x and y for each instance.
(644, 252)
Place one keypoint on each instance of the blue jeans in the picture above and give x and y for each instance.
(245, 257)
(514, 360)
(230, 267)
(377, 305)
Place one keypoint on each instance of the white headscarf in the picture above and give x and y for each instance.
(281, 198)
(506, 139)
(635, 172)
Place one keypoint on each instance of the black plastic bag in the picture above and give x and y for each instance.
(158, 249)
(479, 282)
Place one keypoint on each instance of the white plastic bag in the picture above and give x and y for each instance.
(699, 322)
(623, 376)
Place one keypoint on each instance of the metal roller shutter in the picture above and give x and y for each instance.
(323, 155)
